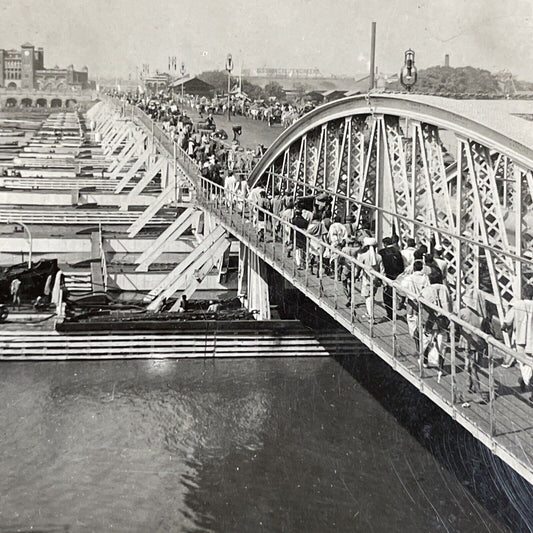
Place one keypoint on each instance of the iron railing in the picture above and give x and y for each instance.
(500, 419)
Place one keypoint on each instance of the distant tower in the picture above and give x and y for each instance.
(28, 66)
(447, 60)
(39, 59)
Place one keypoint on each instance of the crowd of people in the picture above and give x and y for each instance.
(271, 110)
(419, 272)
(201, 141)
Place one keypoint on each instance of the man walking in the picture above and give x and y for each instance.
(473, 345)
(414, 284)
(393, 266)
(300, 239)
(15, 292)
(519, 320)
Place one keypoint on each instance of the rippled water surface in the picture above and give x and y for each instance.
(274, 445)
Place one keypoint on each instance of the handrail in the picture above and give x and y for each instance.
(425, 225)
(210, 186)
(206, 184)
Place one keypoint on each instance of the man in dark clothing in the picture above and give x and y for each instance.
(393, 266)
(431, 267)
(300, 240)
(277, 208)
(237, 131)
(351, 226)
(395, 241)
(210, 122)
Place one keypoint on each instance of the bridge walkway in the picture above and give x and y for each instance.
(503, 421)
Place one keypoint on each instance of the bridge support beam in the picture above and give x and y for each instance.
(384, 188)
(192, 269)
(253, 283)
(172, 233)
(135, 148)
(120, 135)
(160, 165)
(125, 150)
(198, 271)
(143, 159)
(166, 196)
(115, 130)
(107, 129)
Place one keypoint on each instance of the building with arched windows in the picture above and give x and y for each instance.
(24, 69)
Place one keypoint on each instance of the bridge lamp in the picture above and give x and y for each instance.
(229, 68)
(408, 74)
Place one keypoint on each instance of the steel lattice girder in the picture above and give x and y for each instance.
(421, 172)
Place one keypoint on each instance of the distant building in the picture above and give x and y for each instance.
(157, 82)
(322, 97)
(297, 81)
(24, 69)
(194, 86)
(283, 73)
(162, 81)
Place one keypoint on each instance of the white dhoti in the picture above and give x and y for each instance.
(526, 369)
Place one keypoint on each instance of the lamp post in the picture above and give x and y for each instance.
(408, 74)
(229, 68)
(182, 72)
(30, 239)
(372, 80)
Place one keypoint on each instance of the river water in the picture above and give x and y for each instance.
(242, 445)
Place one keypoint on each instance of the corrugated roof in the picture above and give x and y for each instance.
(180, 81)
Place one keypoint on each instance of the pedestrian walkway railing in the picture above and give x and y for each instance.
(242, 217)
(158, 134)
(499, 415)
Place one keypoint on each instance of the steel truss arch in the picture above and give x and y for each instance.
(434, 169)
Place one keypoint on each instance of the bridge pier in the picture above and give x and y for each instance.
(253, 283)
(190, 272)
(188, 218)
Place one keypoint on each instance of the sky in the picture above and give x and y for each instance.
(113, 37)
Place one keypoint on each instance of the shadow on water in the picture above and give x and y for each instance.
(494, 484)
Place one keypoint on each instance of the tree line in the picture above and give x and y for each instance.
(438, 79)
